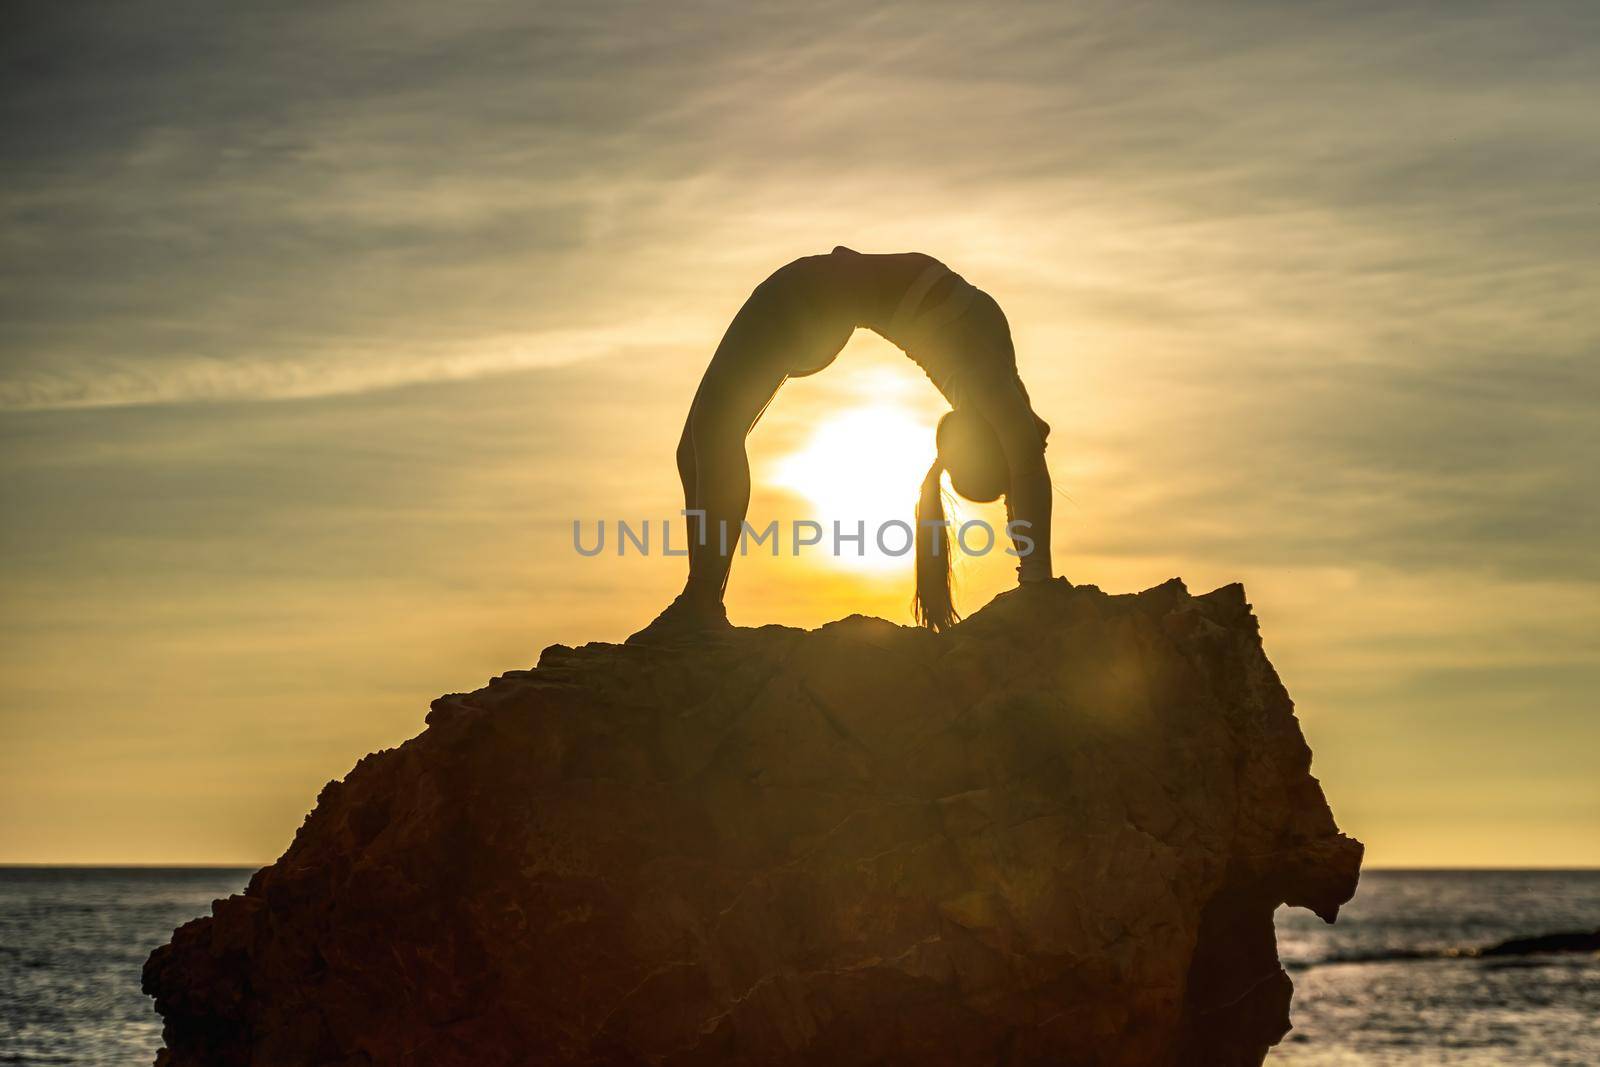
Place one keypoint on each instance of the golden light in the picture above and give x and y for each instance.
(861, 465)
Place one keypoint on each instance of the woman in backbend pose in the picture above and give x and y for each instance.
(794, 324)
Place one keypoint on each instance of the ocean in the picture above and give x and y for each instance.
(1394, 982)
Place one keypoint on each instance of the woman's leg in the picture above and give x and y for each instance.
(716, 469)
(744, 375)
(686, 466)
(716, 483)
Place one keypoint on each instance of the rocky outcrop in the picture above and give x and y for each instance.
(1054, 834)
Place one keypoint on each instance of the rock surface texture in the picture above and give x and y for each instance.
(1055, 834)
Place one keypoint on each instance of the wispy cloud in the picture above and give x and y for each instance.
(300, 202)
(372, 298)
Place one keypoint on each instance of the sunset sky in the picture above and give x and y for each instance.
(321, 323)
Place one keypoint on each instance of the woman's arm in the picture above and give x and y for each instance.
(1029, 499)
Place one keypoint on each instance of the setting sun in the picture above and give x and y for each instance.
(862, 465)
(585, 363)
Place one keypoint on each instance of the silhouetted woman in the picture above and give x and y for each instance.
(794, 324)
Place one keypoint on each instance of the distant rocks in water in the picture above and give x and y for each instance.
(1579, 941)
(1546, 944)
(1055, 834)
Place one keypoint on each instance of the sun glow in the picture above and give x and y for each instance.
(861, 465)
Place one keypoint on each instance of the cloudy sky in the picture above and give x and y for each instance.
(320, 323)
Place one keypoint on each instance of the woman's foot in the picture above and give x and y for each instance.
(684, 618)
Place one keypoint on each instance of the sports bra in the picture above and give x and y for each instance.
(961, 337)
(911, 317)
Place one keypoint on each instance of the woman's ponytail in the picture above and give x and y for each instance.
(932, 606)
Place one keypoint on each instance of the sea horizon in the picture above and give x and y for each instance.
(1365, 870)
(1402, 977)
(795, 534)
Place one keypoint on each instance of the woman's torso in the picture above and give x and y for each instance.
(946, 325)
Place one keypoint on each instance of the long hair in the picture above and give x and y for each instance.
(933, 606)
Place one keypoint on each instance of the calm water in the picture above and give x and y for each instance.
(1380, 986)
(72, 943)
(1377, 988)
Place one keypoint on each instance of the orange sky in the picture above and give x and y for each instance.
(321, 331)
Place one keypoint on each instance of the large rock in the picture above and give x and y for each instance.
(1055, 834)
